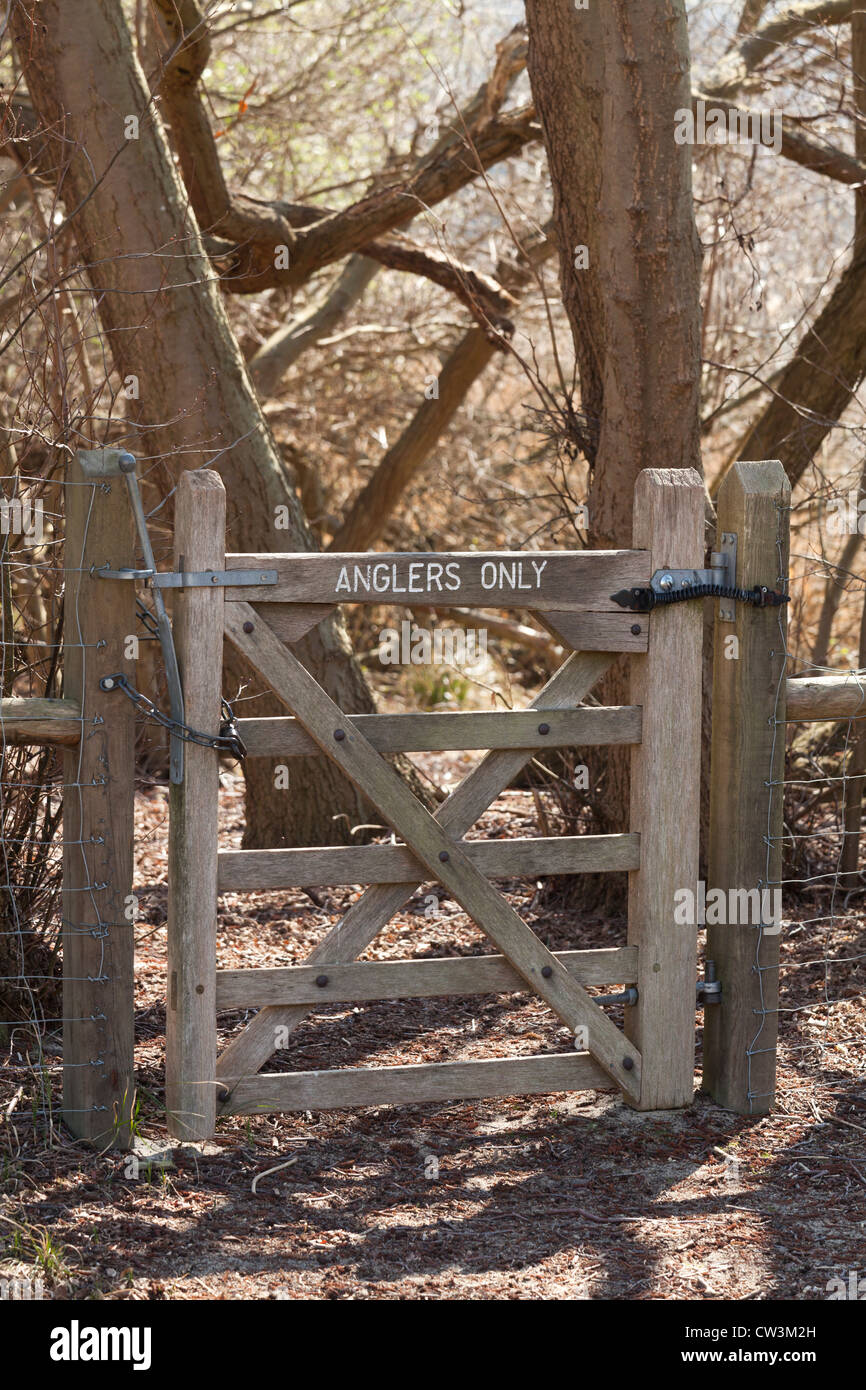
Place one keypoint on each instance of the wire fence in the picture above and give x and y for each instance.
(822, 967)
(36, 635)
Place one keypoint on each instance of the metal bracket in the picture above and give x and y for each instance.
(198, 579)
(722, 570)
(728, 556)
(709, 990)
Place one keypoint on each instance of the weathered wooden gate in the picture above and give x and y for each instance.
(278, 599)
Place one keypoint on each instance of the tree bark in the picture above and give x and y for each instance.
(159, 304)
(607, 83)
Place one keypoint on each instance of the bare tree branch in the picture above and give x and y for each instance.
(758, 46)
(371, 510)
(751, 16)
(318, 237)
(819, 156)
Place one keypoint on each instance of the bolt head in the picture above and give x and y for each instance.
(544, 729)
(339, 735)
(321, 981)
(635, 629)
(444, 856)
(248, 626)
(666, 581)
(547, 971)
(628, 1063)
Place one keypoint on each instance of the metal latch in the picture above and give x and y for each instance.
(107, 463)
(198, 579)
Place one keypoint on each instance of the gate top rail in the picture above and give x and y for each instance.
(569, 581)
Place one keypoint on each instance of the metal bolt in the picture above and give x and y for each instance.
(199, 989)
(248, 626)
(547, 971)
(628, 1063)
(635, 629)
(264, 578)
(214, 579)
(339, 735)
(321, 981)
(444, 856)
(544, 728)
(666, 581)
(107, 683)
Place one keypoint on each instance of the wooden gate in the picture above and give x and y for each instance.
(652, 1061)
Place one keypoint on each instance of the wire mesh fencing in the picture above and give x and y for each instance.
(822, 968)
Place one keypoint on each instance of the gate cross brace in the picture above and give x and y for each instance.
(433, 845)
(350, 937)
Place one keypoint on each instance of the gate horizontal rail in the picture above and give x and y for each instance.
(414, 979)
(454, 731)
(248, 870)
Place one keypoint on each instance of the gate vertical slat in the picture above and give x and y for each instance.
(665, 794)
(194, 817)
(747, 768)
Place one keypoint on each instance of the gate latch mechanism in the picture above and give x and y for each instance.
(101, 464)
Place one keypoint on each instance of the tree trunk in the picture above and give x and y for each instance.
(623, 188)
(159, 304)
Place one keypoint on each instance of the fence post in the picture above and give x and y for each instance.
(746, 796)
(190, 1041)
(665, 794)
(98, 810)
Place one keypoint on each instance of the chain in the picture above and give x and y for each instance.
(228, 740)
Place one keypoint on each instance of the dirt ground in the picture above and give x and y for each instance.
(567, 1196)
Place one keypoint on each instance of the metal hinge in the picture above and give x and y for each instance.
(718, 580)
(709, 990)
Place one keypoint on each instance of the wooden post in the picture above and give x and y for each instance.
(190, 1041)
(98, 809)
(747, 767)
(665, 794)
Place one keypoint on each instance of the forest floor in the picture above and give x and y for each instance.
(565, 1196)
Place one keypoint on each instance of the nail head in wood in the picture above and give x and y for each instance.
(248, 627)
(321, 981)
(339, 735)
(544, 728)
